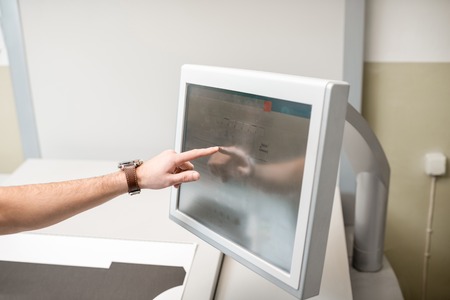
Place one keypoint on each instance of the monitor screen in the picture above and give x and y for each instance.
(256, 199)
(240, 196)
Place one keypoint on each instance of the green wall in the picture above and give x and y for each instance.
(408, 107)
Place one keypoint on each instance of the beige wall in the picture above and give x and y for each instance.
(11, 155)
(408, 107)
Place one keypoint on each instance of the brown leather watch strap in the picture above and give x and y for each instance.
(133, 186)
(130, 173)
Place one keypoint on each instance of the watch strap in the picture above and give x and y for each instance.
(133, 186)
(129, 168)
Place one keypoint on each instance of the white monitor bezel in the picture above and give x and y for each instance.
(312, 91)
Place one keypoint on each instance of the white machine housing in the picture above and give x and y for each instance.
(328, 102)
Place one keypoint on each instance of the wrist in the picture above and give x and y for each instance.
(120, 181)
(129, 169)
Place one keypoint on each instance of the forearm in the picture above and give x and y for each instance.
(31, 207)
(35, 206)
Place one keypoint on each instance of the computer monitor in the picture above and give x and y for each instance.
(265, 198)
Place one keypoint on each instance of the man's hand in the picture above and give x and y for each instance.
(171, 168)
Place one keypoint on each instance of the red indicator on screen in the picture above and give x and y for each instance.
(267, 106)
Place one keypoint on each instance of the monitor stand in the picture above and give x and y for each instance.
(370, 164)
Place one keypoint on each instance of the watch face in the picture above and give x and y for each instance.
(124, 164)
(135, 163)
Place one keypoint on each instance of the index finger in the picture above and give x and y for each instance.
(195, 153)
(232, 151)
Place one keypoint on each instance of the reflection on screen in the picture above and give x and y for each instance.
(249, 192)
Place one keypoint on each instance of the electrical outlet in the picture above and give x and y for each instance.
(435, 164)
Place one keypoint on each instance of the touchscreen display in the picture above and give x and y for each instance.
(249, 191)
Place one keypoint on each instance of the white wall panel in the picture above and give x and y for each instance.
(408, 31)
(104, 74)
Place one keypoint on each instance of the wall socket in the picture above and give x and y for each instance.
(435, 164)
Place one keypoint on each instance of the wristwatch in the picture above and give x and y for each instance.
(129, 167)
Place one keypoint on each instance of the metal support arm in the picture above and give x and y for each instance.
(371, 167)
